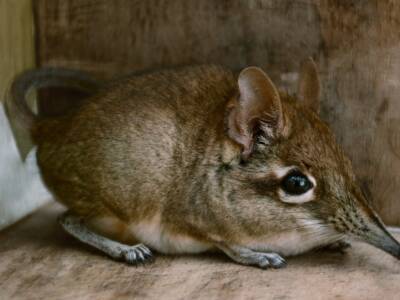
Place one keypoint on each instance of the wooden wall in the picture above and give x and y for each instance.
(21, 189)
(16, 40)
(356, 44)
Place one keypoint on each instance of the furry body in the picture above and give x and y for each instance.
(156, 162)
(192, 159)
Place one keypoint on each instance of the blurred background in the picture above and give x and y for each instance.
(356, 45)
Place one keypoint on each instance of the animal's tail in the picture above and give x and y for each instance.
(21, 117)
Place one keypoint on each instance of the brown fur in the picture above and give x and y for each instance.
(171, 143)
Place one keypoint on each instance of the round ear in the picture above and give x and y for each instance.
(309, 85)
(257, 110)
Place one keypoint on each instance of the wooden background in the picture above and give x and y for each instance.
(16, 40)
(355, 43)
(21, 190)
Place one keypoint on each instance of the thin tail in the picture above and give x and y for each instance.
(21, 117)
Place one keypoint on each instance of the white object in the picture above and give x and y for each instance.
(21, 188)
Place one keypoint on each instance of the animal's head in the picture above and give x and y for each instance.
(294, 177)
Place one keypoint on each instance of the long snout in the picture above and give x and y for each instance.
(366, 225)
(378, 236)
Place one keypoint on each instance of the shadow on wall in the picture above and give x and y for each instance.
(21, 189)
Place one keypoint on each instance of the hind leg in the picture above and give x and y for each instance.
(130, 254)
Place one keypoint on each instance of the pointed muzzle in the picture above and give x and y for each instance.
(378, 236)
(366, 225)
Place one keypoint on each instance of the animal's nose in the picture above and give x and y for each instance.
(388, 244)
(372, 230)
(378, 236)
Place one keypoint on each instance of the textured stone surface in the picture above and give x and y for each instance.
(39, 261)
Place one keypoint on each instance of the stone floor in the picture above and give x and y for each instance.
(39, 261)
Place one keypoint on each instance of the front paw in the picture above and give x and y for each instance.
(268, 260)
(246, 256)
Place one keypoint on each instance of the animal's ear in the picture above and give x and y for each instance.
(309, 86)
(257, 110)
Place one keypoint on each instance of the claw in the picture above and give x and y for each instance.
(135, 255)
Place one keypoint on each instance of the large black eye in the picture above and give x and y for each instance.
(296, 183)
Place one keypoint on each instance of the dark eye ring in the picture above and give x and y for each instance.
(296, 183)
